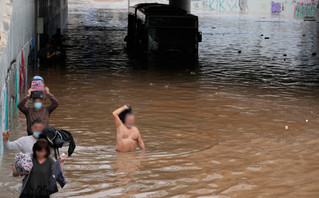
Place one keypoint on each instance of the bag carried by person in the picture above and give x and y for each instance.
(37, 86)
(23, 164)
(59, 139)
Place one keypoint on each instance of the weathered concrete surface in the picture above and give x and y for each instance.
(18, 47)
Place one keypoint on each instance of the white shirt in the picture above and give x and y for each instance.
(23, 144)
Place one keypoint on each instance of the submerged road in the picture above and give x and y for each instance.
(216, 131)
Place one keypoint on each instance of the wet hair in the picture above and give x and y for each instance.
(40, 145)
(37, 121)
(123, 115)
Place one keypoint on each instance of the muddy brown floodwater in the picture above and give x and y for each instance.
(216, 131)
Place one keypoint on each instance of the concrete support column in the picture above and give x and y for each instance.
(184, 4)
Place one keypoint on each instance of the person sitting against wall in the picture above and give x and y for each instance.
(38, 111)
(45, 173)
(23, 144)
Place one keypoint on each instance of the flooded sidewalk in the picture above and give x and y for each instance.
(244, 123)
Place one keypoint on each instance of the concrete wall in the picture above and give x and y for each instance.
(18, 48)
(17, 37)
(55, 14)
(285, 8)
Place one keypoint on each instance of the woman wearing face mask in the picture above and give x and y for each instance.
(38, 110)
(41, 182)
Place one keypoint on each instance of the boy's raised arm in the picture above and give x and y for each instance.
(116, 114)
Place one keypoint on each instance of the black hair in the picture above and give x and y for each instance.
(124, 113)
(37, 121)
(40, 145)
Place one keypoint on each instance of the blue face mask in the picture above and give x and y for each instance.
(36, 134)
(37, 105)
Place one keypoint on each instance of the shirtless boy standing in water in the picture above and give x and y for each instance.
(127, 134)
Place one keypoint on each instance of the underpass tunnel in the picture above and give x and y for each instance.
(244, 118)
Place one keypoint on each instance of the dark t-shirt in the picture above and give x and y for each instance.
(38, 183)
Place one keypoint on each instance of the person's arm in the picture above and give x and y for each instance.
(22, 103)
(116, 114)
(50, 55)
(54, 102)
(61, 178)
(62, 158)
(11, 146)
(140, 142)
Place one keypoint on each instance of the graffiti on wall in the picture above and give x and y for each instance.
(275, 7)
(289, 8)
(22, 74)
(12, 94)
(4, 109)
(303, 9)
(243, 5)
(228, 5)
(223, 5)
(263, 6)
(15, 84)
(3, 116)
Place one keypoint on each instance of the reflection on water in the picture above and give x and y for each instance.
(217, 131)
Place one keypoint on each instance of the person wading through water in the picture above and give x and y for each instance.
(38, 111)
(127, 134)
(46, 172)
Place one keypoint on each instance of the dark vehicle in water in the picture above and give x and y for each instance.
(162, 31)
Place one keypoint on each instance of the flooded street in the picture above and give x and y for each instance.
(239, 125)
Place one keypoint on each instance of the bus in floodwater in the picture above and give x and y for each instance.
(160, 30)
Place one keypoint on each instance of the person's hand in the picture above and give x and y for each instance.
(5, 135)
(47, 90)
(29, 92)
(14, 171)
(62, 157)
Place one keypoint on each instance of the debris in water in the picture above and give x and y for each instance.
(193, 73)
(266, 37)
(309, 18)
(285, 55)
(239, 51)
(306, 120)
(286, 127)
(314, 54)
(262, 35)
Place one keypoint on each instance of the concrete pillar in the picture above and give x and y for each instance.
(184, 4)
